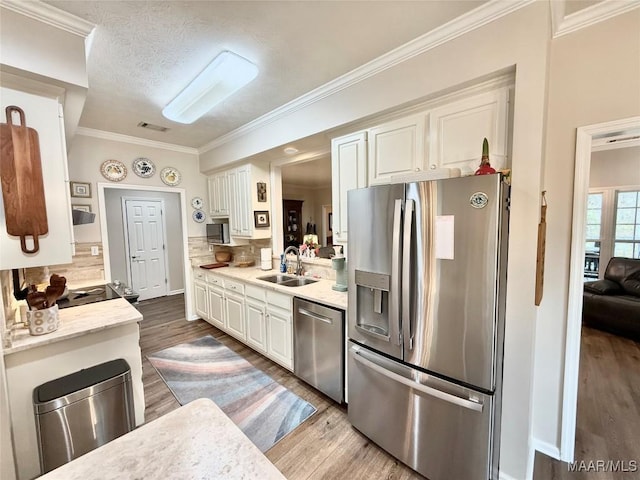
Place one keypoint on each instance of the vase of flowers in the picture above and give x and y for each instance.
(309, 249)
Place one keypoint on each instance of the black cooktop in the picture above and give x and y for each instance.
(97, 293)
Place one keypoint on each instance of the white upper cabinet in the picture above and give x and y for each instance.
(396, 148)
(436, 140)
(234, 194)
(348, 171)
(219, 195)
(44, 115)
(241, 222)
(457, 130)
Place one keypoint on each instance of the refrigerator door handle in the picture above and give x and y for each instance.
(433, 392)
(394, 320)
(406, 276)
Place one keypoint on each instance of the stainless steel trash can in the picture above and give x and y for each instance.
(82, 411)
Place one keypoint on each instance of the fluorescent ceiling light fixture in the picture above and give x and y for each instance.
(224, 76)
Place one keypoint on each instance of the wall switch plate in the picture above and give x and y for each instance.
(211, 248)
(94, 250)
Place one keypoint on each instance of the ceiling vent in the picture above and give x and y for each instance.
(151, 126)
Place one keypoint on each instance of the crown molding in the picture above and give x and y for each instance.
(599, 12)
(55, 17)
(476, 18)
(117, 137)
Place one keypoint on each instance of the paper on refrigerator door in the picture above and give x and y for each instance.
(444, 237)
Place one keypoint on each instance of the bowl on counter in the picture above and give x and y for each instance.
(223, 256)
(244, 261)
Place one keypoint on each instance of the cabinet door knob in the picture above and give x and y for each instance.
(417, 169)
(433, 166)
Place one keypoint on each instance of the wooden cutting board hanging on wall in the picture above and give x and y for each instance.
(542, 238)
(22, 183)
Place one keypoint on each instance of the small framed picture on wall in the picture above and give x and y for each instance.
(84, 208)
(261, 218)
(80, 189)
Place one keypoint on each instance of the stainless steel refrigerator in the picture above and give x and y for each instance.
(427, 270)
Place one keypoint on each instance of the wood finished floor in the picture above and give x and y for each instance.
(608, 422)
(323, 447)
(327, 447)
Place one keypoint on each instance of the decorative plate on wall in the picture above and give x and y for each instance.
(113, 170)
(143, 167)
(170, 176)
(196, 202)
(199, 216)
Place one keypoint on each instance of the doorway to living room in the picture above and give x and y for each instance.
(598, 233)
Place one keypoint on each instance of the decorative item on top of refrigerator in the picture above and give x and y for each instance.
(427, 269)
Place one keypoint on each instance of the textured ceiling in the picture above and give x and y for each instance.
(145, 52)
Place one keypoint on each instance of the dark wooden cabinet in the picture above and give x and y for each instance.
(292, 222)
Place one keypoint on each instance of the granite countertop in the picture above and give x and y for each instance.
(195, 441)
(78, 321)
(319, 291)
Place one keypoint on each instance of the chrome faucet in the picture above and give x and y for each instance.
(298, 261)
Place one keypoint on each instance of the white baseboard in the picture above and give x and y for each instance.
(175, 292)
(191, 318)
(547, 448)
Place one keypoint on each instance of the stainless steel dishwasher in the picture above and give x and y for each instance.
(318, 333)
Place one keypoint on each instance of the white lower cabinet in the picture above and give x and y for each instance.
(200, 297)
(280, 328)
(280, 336)
(216, 306)
(259, 317)
(234, 310)
(256, 325)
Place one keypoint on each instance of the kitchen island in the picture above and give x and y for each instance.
(88, 335)
(195, 441)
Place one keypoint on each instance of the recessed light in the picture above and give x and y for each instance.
(290, 150)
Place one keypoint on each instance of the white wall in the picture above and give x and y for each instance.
(88, 153)
(39, 51)
(615, 168)
(517, 42)
(116, 233)
(33, 46)
(594, 78)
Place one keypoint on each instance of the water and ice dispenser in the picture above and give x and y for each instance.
(372, 300)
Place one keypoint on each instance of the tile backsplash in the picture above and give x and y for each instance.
(83, 266)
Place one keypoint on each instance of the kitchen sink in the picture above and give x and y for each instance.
(297, 282)
(287, 280)
(277, 278)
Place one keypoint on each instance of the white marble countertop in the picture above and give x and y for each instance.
(76, 321)
(319, 291)
(195, 441)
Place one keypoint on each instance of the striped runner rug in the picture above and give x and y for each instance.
(263, 409)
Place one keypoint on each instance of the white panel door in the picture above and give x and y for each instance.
(145, 233)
